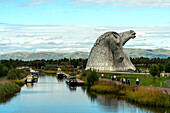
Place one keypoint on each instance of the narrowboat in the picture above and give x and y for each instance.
(60, 74)
(72, 81)
(29, 79)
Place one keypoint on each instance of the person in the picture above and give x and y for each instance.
(137, 81)
(118, 79)
(102, 75)
(124, 80)
(128, 81)
(112, 77)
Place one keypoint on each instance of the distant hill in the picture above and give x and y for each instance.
(150, 53)
(43, 55)
(162, 53)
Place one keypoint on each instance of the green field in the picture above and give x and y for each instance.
(146, 80)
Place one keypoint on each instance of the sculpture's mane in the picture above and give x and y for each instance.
(102, 37)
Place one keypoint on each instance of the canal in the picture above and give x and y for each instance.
(50, 95)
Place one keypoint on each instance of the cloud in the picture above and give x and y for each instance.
(4, 42)
(126, 3)
(79, 38)
(37, 2)
(4, 29)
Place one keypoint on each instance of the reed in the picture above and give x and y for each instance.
(8, 89)
(147, 96)
(137, 94)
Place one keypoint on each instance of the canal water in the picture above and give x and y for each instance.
(51, 95)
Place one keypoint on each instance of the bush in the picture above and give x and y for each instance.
(8, 89)
(92, 77)
(154, 70)
(20, 83)
(167, 67)
(161, 67)
(15, 74)
(3, 70)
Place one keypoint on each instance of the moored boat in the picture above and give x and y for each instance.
(72, 81)
(29, 79)
(60, 74)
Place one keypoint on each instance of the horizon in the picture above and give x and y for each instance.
(75, 25)
(79, 51)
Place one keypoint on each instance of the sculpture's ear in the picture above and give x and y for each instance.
(116, 37)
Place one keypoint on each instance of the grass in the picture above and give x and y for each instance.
(106, 87)
(147, 96)
(146, 80)
(49, 71)
(8, 88)
(19, 82)
(137, 94)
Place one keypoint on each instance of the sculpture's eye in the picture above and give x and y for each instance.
(121, 59)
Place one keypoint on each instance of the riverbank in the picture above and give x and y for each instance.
(137, 94)
(144, 79)
(8, 89)
(10, 84)
(47, 71)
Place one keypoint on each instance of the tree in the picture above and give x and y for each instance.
(3, 70)
(161, 67)
(167, 67)
(15, 74)
(154, 70)
(92, 77)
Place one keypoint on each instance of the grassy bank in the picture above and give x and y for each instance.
(137, 94)
(8, 89)
(48, 71)
(145, 80)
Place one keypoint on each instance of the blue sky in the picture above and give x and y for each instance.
(74, 25)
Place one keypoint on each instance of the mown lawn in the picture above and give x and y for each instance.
(146, 80)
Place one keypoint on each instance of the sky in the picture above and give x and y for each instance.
(75, 25)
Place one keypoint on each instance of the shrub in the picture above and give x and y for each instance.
(154, 70)
(167, 67)
(15, 74)
(92, 77)
(20, 83)
(84, 73)
(3, 70)
(8, 89)
(161, 67)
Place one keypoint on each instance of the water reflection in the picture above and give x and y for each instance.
(111, 103)
(59, 79)
(29, 85)
(72, 88)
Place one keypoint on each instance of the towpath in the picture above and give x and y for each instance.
(3, 78)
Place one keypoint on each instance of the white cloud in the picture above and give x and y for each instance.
(21, 42)
(4, 29)
(127, 3)
(37, 2)
(80, 38)
(4, 42)
(102, 28)
(39, 41)
(55, 41)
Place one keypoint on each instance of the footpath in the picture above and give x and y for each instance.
(3, 78)
(164, 90)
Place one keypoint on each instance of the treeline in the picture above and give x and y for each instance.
(146, 62)
(6, 65)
